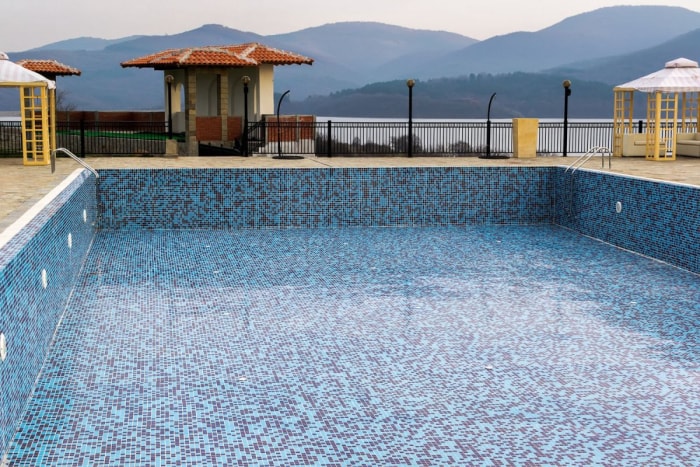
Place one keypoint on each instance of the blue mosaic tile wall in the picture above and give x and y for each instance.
(29, 312)
(325, 197)
(659, 220)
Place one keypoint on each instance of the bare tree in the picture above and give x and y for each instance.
(63, 103)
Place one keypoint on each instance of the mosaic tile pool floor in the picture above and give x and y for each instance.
(432, 346)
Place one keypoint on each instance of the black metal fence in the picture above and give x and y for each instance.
(10, 137)
(392, 138)
(115, 138)
(112, 138)
(327, 138)
(582, 136)
(428, 138)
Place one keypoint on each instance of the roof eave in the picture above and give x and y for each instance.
(171, 66)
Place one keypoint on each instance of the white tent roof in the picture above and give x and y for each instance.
(15, 75)
(679, 75)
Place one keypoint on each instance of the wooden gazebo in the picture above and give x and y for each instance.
(672, 109)
(213, 85)
(37, 107)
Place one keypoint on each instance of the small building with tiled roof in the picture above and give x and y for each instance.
(48, 68)
(211, 92)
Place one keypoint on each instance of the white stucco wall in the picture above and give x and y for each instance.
(261, 98)
(260, 91)
(266, 91)
(207, 95)
(237, 101)
(178, 98)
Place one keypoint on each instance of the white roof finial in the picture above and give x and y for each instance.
(682, 63)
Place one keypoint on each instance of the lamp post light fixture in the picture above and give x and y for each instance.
(567, 93)
(246, 82)
(169, 79)
(410, 83)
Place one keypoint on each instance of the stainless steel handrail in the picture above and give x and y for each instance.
(577, 165)
(72, 156)
(590, 153)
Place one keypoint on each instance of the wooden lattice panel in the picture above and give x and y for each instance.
(36, 125)
(623, 118)
(662, 109)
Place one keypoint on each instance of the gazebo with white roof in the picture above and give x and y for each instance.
(672, 106)
(37, 107)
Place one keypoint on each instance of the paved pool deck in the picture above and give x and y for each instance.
(22, 186)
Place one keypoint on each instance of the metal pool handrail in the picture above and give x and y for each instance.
(578, 163)
(590, 153)
(72, 156)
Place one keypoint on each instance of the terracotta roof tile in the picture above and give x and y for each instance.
(51, 67)
(242, 55)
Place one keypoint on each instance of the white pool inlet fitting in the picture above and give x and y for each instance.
(618, 207)
(44, 278)
(3, 347)
(70, 240)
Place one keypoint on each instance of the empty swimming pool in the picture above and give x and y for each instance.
(470, 345)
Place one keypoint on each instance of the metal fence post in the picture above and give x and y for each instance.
(82, 138)
(328, 140)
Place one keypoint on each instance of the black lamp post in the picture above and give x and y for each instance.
(246, 82)
(567, 93)
(169, 79)
(410, 83)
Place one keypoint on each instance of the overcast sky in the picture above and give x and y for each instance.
(25, 24)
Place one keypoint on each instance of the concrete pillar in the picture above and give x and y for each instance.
(222, 111)
(525, 137)
(191, 112)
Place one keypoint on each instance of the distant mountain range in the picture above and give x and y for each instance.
(360, 68)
